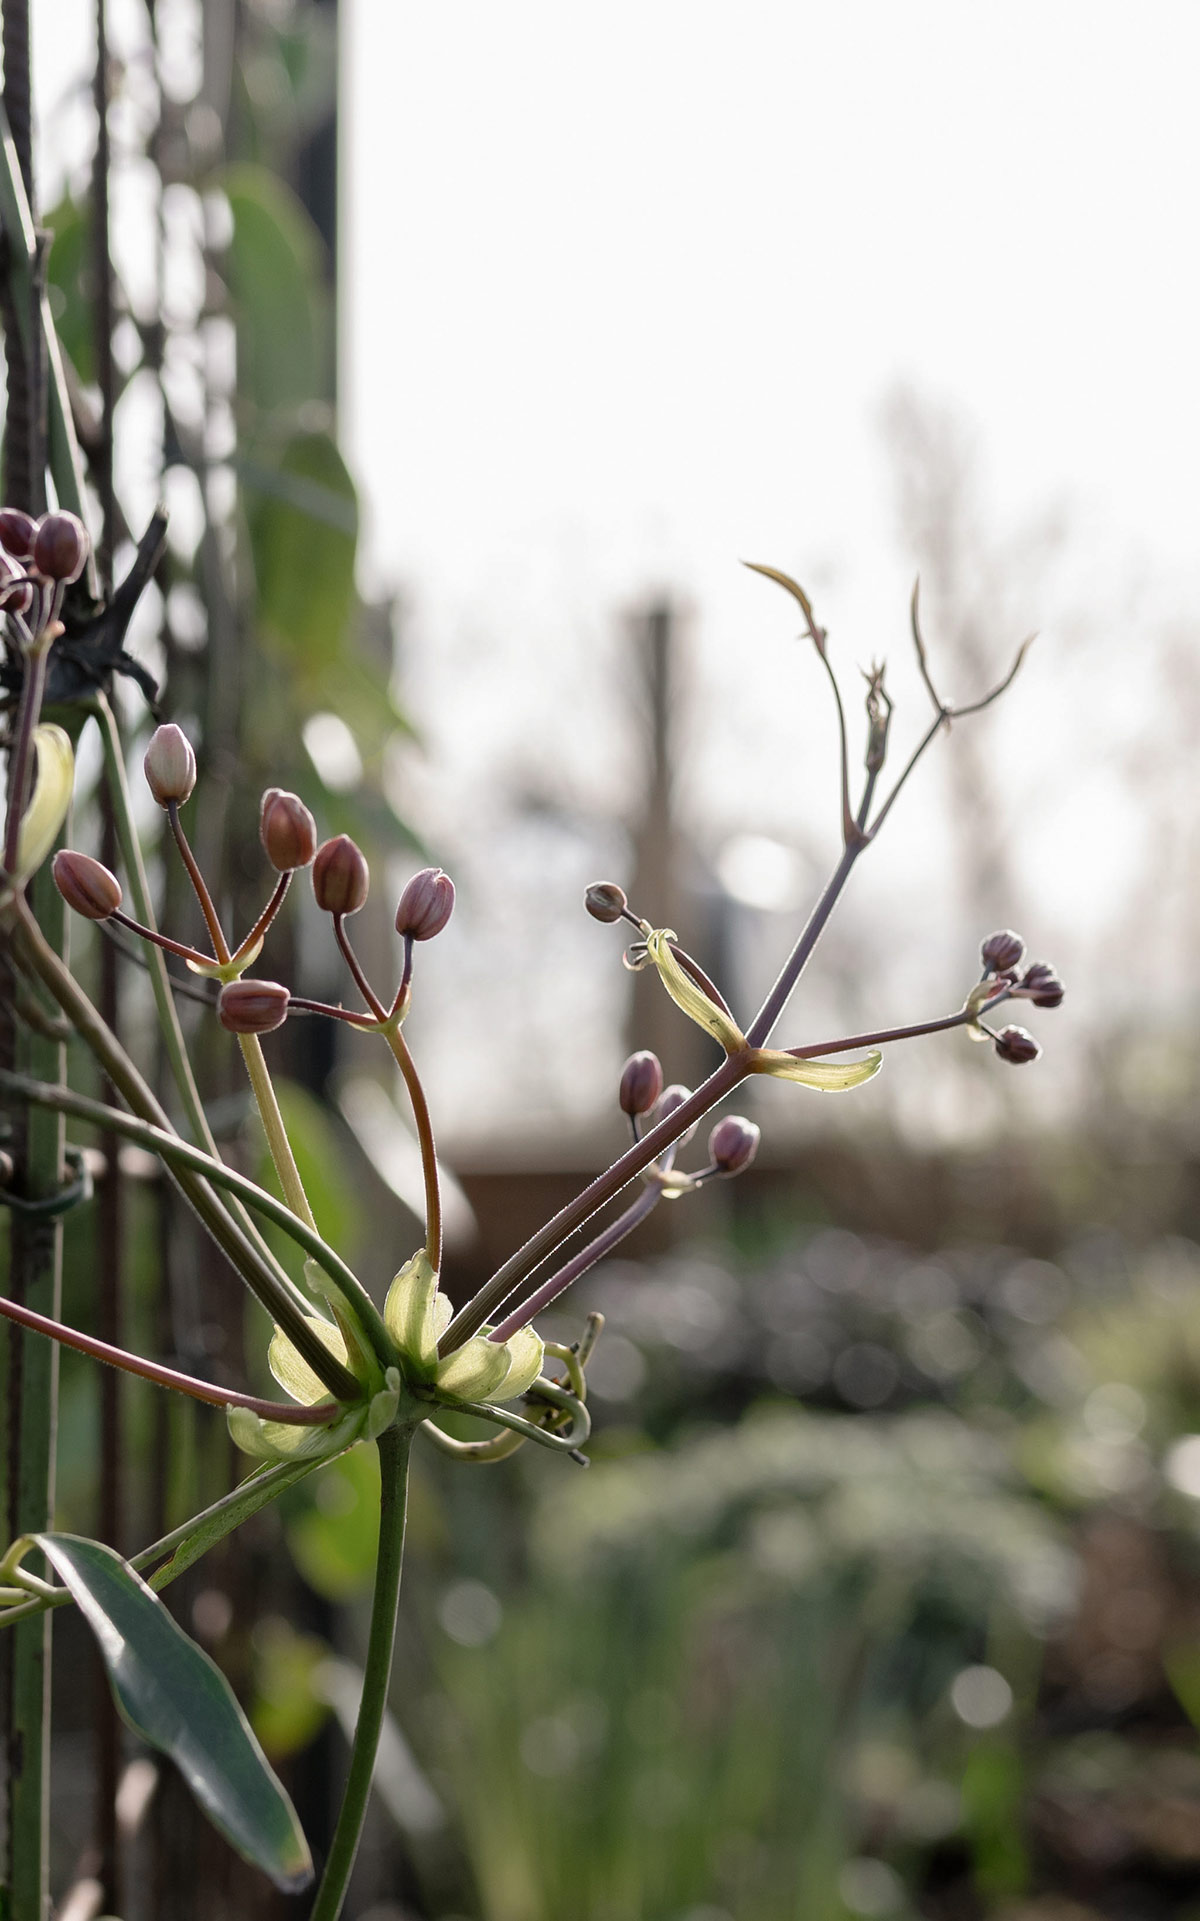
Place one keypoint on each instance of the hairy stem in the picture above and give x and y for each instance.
(596, 1250)
(759, 1031)
(394, 1448)
(494, 1292)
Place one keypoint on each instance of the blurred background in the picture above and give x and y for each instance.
(471, 349)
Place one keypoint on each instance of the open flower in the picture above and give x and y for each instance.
(416, 1315)
(828, 1077)
(364, 1420)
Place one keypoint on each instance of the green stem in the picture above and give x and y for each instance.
(160, 980)
(181, 1155)
(33, 952)
(394, 1447)
(276, 1132)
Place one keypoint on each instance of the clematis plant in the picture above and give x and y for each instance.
(356, 1373)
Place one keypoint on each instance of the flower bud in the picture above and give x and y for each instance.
(641, 1083)
(1016, 1045)
(16, 593)
(252, 1007)
(60, 547)
(1002, 951)
(340, 876)
(87, 887)
(170, 765)
(605, 901)
(1041, 985)
(426, 904)
(287, 830)
(733, 1143)
(669, 1101)
(17, 532)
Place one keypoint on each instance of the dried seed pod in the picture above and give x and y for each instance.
(605, 901)
(641, 1083)
(170, 765)
(340, 876)
(252, 1007)
(87, 887)
(287, 830)
(426, 904)
(733, 1143)
(1041, 985)
(1016, 1045)
(1002, 951)
(60, 547)
(18, 532)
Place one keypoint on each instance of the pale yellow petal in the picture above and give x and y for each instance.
(412, 1313)
(285, 1441)
(527, 1357)
(292, 1371)
(689, 996)
(828, 1077)
(475, 1370)
(52, 789)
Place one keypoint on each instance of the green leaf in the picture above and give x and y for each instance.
(178, 1700)
(274, 270)
(302, 512)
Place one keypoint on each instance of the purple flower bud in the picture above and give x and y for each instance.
(1016, 1045)
(17, 533)
(1002, 951)
(340, 876)
(641, 1083)
(16, 594)
(60, 547)
(426, 904)
(668, 1102)
(1041, 985)
(605, 901)
(287, 830)
(170, 765)
(87, 887)
(252, 1007)
(733, 1143)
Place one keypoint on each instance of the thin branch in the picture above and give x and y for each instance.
(819, 639)
(199, 885)
(182, 1156)
(353, 963)
(596, 1250)
(288, 1411)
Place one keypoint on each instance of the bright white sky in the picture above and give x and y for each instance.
(624, 291)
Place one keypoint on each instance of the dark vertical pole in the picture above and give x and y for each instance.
(110, 1208)
(35, 1277)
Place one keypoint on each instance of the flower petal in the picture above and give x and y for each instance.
(685, 992)
(52, 789)
(292, 1371)
(287, 1441)
(527, 1357)
(474, 1371)
(828, 1077)
(415, 1314)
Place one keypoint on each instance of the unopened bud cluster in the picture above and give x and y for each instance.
(1002, 954)
(38, 561)
(340, 880)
